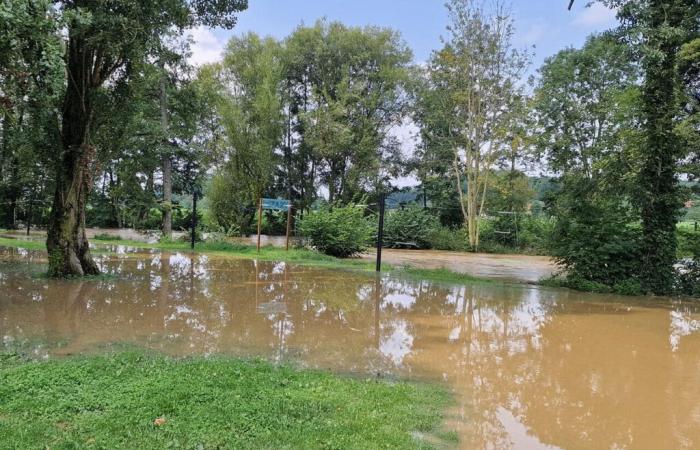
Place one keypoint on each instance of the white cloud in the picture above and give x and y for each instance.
(206, 48)
(597, 15)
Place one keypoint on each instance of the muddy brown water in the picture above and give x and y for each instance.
(530, 367)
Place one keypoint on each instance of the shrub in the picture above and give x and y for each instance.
(630, 286)
(687, 280)
(602, 249)
(531, 235)
(412, 225)
(338, 231)
(228, 204)
(688, 241)
(444, 238)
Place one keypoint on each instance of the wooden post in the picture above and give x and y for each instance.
(259, 220)
(380, 232)
(289, 224)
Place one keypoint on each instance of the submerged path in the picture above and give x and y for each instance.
(511, 267)
(521, 268)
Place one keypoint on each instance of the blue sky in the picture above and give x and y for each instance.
(546, 24)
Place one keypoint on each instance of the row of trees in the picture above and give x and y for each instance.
(315, 109)
(99, 99)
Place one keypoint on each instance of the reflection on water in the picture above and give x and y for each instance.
(531, 368)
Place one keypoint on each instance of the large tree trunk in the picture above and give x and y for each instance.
(67, 244)
(167, 226)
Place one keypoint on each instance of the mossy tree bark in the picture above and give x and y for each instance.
(667, 29)
(67, 244)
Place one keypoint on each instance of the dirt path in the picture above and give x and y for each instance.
(523, 268)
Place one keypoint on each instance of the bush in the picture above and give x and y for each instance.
(444, 238)
(688, 241)
(229, 206)
(338, 231)
(688, 278)
(604, 252)
(532, 234)
(412, 225)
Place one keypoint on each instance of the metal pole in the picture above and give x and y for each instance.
(380, 232)
(289, 224)
(29, 216)
(194, 218)
(259, 221)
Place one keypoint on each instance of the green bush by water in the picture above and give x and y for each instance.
(338, 231)
(410, 227)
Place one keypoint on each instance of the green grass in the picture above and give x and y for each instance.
(111, 401)
(26, 244)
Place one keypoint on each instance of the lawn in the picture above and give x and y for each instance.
(134, 400)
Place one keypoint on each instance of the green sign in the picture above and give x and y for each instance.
(275, 204)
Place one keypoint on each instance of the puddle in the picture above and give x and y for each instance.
(530, 367)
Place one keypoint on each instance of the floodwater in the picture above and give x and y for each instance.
(515, 267)
(530, 368)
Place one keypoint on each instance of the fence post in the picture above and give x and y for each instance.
(380, 232)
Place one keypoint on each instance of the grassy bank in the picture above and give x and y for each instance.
(138, 401)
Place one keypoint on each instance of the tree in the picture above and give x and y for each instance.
(102, 38)
(658, 30)
(31, 78)
(345, 88)
(249, 83)
(473, 83)
(587, 132)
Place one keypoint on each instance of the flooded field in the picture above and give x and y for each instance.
(530, 367)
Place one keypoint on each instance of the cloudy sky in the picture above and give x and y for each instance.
(545, 24)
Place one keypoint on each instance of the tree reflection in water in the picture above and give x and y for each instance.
(530, 367)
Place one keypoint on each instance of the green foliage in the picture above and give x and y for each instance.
(338, 231)
(603, 250)
(409, 227)
(230, 205)
(346, 87)
(662, 34)
(451, 239)
(31, 83)
(509, 233)
(251, 112)
(687, 278)
(688, 241)
(112, 402)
